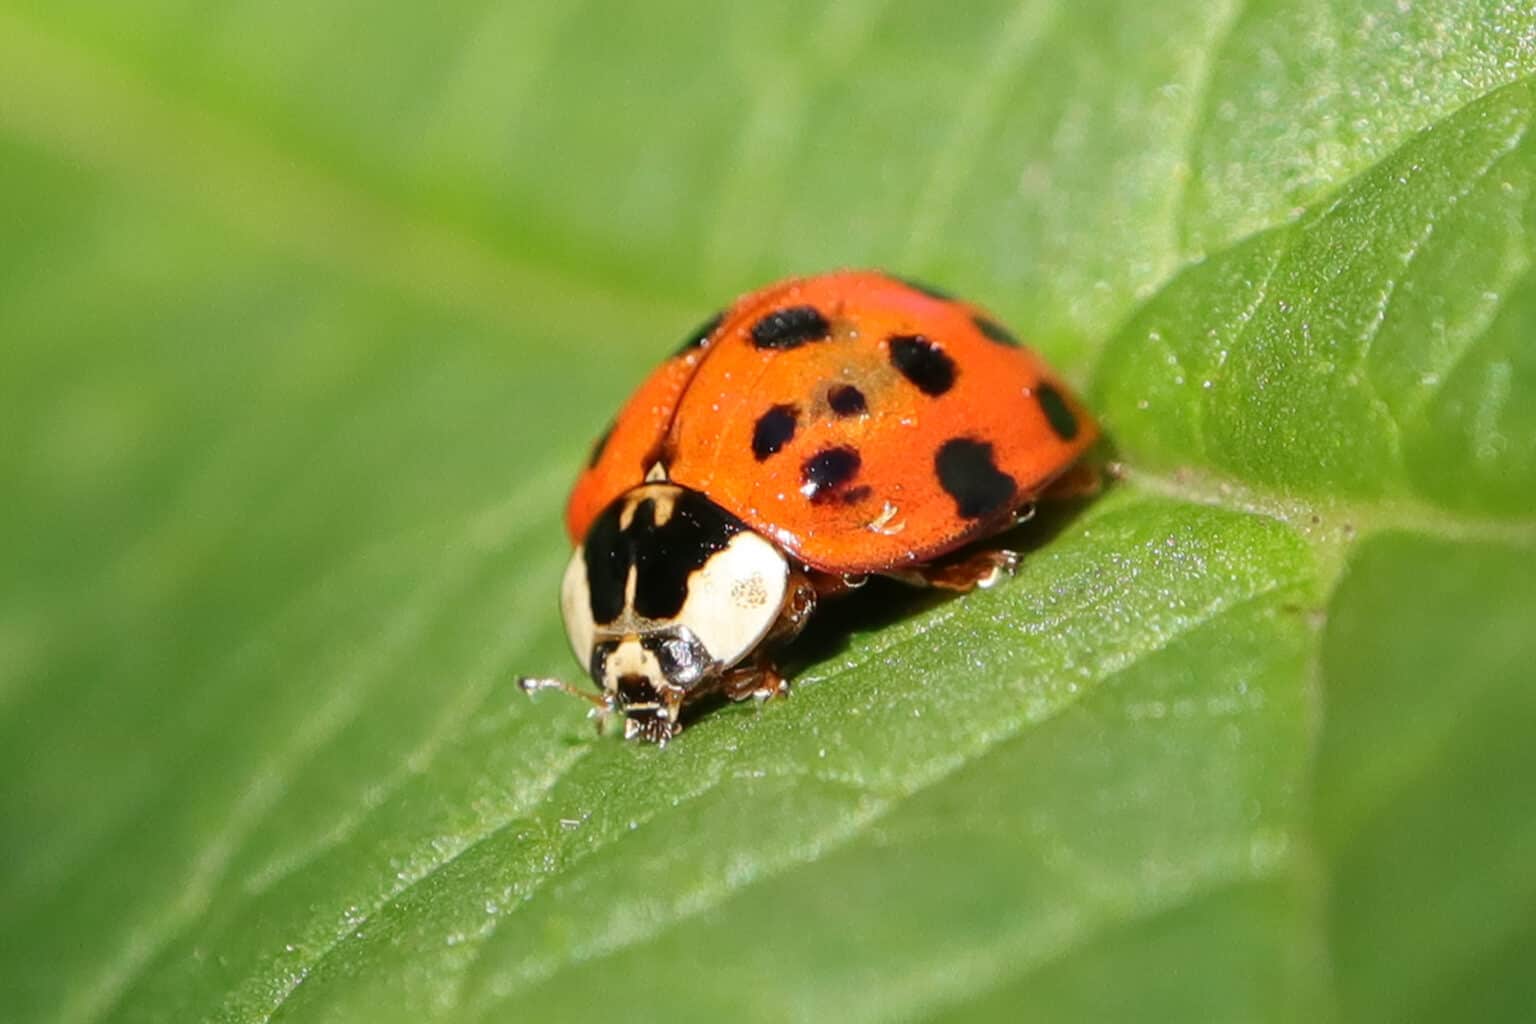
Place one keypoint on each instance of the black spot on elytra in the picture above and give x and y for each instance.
(700, 334)
(600, 446)
(663, 555)
(995, 331)
(847, 400)
(1057, 413)
(826, 472)
(854, 495)
(926, 289)
(790, 327)
(923, 363)
(774, 430)
(966, 471)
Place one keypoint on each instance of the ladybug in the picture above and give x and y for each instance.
(816, 432)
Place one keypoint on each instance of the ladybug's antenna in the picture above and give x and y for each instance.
(533, 684)
(602, 706)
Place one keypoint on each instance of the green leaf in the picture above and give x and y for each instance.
(1371, 350)
(310, 312)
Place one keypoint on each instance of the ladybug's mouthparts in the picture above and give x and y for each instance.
(650, 726)
(645, 712)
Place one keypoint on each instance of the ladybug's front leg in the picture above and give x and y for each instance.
(759, 678)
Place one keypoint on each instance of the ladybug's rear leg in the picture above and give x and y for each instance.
(977, 571)
(1084, 479)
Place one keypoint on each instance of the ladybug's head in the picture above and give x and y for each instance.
(667, 591)
(646, 677)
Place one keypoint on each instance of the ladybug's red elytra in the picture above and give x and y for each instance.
(818, 431)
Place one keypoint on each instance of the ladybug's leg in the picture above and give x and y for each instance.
(1082, 480)
(758, 678)
(974, 572)
(799, 603)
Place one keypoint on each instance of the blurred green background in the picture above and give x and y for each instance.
(309, 311)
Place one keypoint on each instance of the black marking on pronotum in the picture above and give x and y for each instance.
(700, 334)
(923, 363)
(790, 327)
(966, 471)
(847, 400)
(995, 331)
(1057, 413)
(597, 666)
(829, 470)
(608, 560)
(775, 428)
(666, 555)
(926, 289)
(600, 445)
(662, 555)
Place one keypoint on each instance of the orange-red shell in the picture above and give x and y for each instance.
(918, 443)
